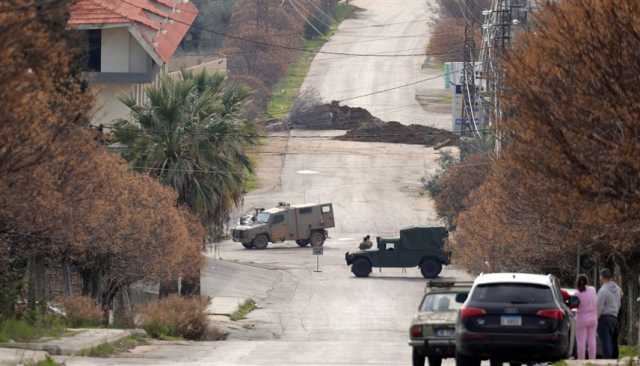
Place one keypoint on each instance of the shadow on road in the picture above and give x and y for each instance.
(392, 278)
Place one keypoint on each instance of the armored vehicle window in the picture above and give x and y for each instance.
(263, 217)
(305, 210)
(278, 219)
(440, 302)
(326, 209)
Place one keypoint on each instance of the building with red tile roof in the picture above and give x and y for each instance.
(128, 44)
(159, 24)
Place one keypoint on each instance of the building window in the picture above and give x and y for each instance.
(95, 47)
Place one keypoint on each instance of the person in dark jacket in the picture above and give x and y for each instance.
(609, 302)
(366, 243)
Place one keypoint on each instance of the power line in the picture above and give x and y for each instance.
(291, 48)
(393, 88)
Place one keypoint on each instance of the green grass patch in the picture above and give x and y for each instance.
(24, 330)
(629, 351)
(48, 362)
(286, 90)
(243, 310)
(109, 349)
(560, 363)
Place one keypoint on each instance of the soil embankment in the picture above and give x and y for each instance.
(363, 126)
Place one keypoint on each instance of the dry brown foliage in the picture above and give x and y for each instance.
(268, 24)
(176, 316)
(64, 197)
(81, 311)
(446, 42)
(568, 177)
(457, 184)
(264, 22)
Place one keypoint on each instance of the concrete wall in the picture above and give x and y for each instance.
(107, 104)
(115, 50)
(139, 60)
(122, 53)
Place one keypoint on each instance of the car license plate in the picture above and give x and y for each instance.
(511, 321)
(445, 332)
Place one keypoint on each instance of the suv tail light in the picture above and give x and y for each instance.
(556, 314)
(469, 312)
(416, 331)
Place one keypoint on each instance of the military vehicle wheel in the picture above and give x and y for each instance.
(248, 245)
(317, 239)
(467, 361)
(260, 242)
(417, 357)
(430, 268)
(303, 243)
(435, 361)
(361, 267)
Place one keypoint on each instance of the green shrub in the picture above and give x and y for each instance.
(48, 362)
(244, 309)
(109, 349)
(175, 316)
(30, 329)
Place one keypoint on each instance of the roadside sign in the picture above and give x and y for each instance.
(317, 251)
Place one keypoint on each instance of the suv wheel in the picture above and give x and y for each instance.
(418, 358)
(248, 245)
(430, 268)
(317, 238)
(260, 242)
(303, 243)
(435, 361)
(361, 267)
(462, 360)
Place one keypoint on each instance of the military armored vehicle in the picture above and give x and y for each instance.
(306, 224)
(433, 328)
(416, 246)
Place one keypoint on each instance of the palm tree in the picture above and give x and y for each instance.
(190, 135)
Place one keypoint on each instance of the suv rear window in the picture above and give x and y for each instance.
(512, 293)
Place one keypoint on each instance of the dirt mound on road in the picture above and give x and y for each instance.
(331, 116)
(363, 126)
(395, 132)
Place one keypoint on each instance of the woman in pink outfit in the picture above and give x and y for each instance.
(587, 318)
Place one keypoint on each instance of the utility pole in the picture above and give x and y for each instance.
(469, 115)
(497, 35)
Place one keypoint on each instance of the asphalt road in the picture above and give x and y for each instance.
(384, 27)
(329, 317)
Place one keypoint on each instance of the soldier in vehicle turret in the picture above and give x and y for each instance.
(366, 243)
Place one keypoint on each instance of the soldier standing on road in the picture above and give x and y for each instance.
(609, 301)
(366, 243)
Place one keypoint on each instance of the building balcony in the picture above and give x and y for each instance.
(120, 77)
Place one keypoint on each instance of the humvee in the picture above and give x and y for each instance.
(305, 224)
(416, 246)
